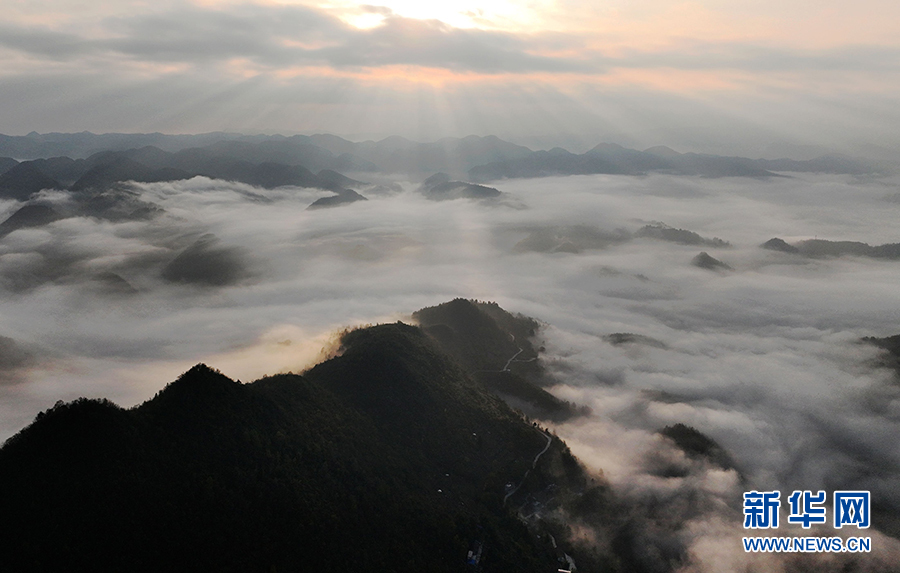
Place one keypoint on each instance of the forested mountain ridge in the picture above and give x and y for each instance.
(67, 156)
(387, 457)
(496, 348)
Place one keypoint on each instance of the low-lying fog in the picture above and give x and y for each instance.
(764, 358)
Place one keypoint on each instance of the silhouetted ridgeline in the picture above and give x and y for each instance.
(440, 187)
(88, 161)
(664, 232)
(496, 348)
(822, 248)
(891, 345)
(385, 458)
(617, 160)
(694, 443)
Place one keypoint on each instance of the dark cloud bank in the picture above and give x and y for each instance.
(280, 35)
(275, 36)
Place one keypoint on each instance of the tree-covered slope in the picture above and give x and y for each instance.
(387, 457)
(497, 349)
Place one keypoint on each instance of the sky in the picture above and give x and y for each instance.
(768, 78)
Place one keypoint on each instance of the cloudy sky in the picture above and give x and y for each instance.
(759, 78)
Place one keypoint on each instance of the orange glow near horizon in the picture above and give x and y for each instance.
(689, 49)
(662, 79)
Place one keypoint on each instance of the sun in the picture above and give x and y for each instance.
(485, 14)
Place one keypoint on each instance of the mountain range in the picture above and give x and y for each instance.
(80, 161)
(823, 248)
(392, 455)
(609, 158)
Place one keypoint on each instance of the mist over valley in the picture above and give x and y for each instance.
(695, 332)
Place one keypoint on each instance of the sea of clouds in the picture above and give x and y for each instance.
(764, 358)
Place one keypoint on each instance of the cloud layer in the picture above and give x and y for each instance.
(764, 358)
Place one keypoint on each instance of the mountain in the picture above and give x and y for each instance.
(623, 338)
(119, 168)
(7, 163)
(496, 349)
(664, 232)
(23, 180)
(32, 215)
(84, 144)
(293, 153)
(629, 160)
(399, 155)
(344, 197)
(387, 457)
(149, 164)
(614, 159)
(662, 151)
(822, 248)
(62, 169)
(270, 175)
(340, 180)
(440, 187)
(206, 263)
(776, 244)
(705, 261)
(545, 164)
(887, 516)
(889, 343)
(890, 358)
(481, 336)
(823, 164)
(391, 155)
(696, 444)
(482, 158)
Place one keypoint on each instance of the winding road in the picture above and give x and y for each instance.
(533, 465)
(510, 361)
(549, 439)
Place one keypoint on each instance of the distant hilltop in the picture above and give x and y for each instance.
(477, 158)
